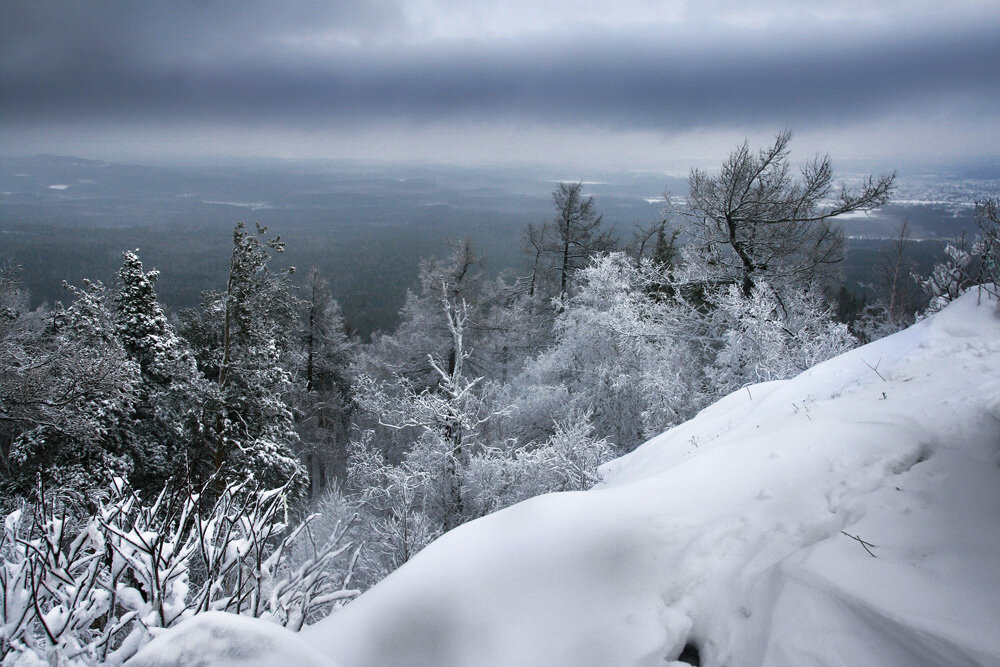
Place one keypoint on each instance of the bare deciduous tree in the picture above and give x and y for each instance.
(896, 289)
(753, 219)
(575, 233)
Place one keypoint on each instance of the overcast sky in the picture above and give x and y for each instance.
(629, 83)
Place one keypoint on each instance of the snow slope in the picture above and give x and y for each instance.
(735, 532)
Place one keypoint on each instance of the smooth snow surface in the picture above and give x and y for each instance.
(217, 639)
(733, 532)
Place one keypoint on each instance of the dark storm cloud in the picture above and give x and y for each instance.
(309, 64)
(59, 35)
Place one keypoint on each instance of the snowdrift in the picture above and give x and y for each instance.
(218, 639)
(849, 516)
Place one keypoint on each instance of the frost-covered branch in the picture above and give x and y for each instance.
(93, 591)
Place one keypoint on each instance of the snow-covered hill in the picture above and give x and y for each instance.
(849, 516)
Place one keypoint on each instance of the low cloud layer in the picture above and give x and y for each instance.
(343, 68)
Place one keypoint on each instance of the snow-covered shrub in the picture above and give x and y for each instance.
(948, 279)
(875, 322)
(772, 336)
(623, 353)
(401, 504)
(536, 407)
(968, 265)
(95, 590)
(54, 597)
(567, 461)
(393, 503)
(68, 392)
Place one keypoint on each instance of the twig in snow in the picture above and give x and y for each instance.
(862, 543)
(875, 368)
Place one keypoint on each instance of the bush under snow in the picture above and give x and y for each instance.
(93, 591)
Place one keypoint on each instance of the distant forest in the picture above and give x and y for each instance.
(363, 226)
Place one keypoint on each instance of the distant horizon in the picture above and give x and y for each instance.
(670, 168)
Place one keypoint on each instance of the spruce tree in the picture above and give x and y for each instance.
(243, 336)
(172, 392)
(324, 400)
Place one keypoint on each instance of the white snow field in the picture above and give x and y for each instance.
(738, 533)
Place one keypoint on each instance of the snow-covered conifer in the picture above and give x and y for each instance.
(172, 392)
(242, 336)
(322, 399)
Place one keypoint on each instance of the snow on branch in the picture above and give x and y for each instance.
(94, 591)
